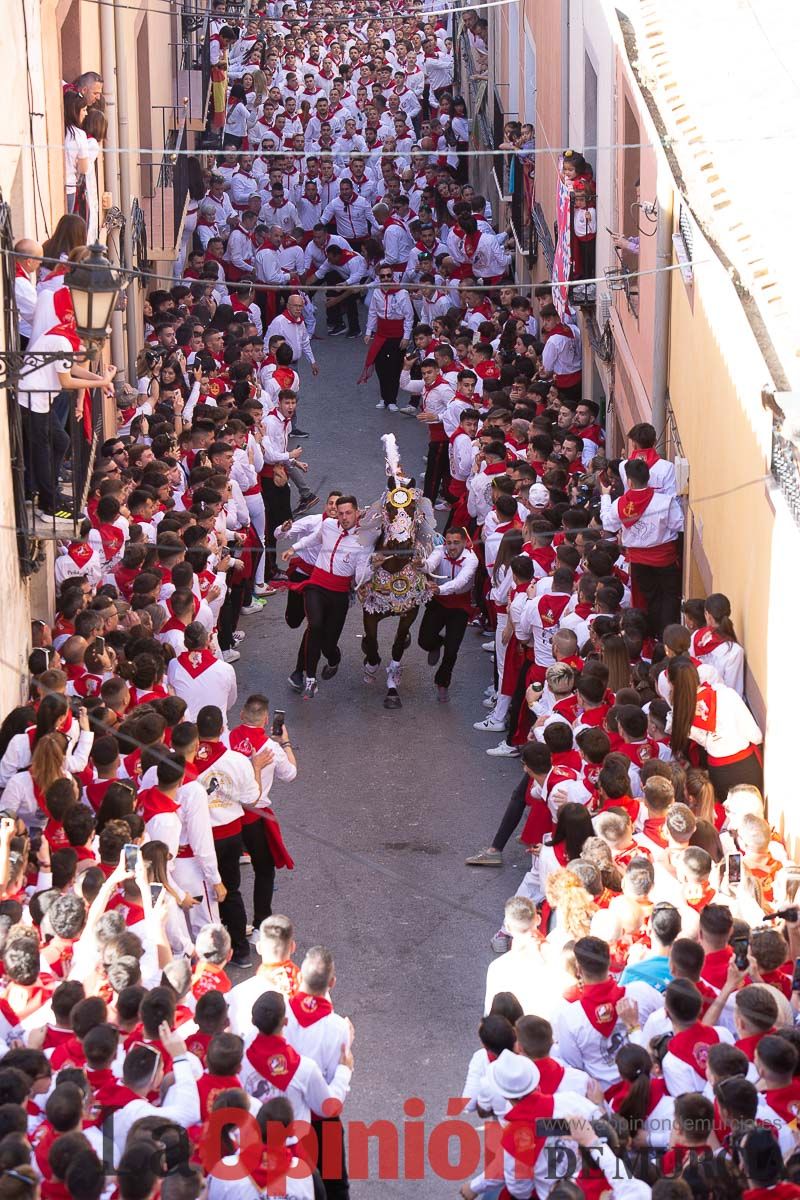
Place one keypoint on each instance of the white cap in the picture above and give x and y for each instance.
(513, 1075)
(538, 495)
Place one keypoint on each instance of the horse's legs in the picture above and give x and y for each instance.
(369, 642)
(401, 638)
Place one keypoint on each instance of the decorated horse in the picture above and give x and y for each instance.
(399, 582)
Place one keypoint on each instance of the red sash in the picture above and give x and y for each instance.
(387, 329)
(274, 1059)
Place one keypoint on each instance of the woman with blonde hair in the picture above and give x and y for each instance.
(572, 906)
(701, 799)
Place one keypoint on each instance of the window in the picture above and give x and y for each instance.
(590, 110)
(629, 200)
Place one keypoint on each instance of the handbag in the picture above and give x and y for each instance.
(81, 203)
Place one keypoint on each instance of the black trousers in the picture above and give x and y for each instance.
(231, 909)
(257, 846)
(453, 621)
(388, 365)
(295, 608)
(660, 588)
(229, 613)
(46, 443)
(345, 309)
(278, 504)
(746, 770)
(511, 817)
(326, 613)
(331, 1144)
(437, 470)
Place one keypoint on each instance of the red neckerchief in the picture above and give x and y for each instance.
(691, 1046)
(650, 456)
(715, 968)
(247, 739)
(705, 713)
(632, 505)
(707, 898)
(208, 753)
(274, 1059)
(785, 1101)
(779, 1191)
(210, 1086)
(80, 553)
(284, 376)
(779, 979)
(550, 1075)
(112, 539)
(551, 608)
(618, 1092)
(293, 320)
(519, 1136)
(599, 1002)
(654, 830)
(707, 640)
(209, 977)
(195, 662)
(151, 803)
(309, 1009)
(748, 1045)
(640, 752)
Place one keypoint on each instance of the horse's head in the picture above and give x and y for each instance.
(399, 512)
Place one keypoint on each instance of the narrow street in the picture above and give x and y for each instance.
(386, 806)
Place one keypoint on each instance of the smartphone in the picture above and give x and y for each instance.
(796, 976)
(155, 891)
(131, 857)
(740, 948)
(734, 868)
(278, 718)
(552, 1127)
(100, 642)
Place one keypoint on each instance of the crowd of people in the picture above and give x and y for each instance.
(643, 993)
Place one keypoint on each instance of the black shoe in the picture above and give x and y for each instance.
(296, 681)
(301, 433)
(337, 331)
(433, 656)
(242, 960)
(328, 671)
(353, 333)
(305, 503)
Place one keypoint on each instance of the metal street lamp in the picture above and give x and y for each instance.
(94, 287)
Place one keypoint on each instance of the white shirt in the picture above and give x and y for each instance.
(307, 1091)
(453, 576)
(181, 1105)
(662, 476)
(660, 522)
(295, 333)
(353, 220)
(322, 1041)
(38, 389)
(76, 145)
(25, 295)
(215, 685)
(390, 306)
(339, 552)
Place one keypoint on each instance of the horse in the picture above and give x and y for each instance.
(399, 582)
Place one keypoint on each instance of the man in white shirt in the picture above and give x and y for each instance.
(390, 319)
(29, 255)
(522, 969)
(642, 442)
(446, 616)
(292, 327)
(352, 214)
(142, 1075)
(200, 678)
(649, 523)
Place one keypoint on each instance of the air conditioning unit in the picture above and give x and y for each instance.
(604, 309)
(681, 466)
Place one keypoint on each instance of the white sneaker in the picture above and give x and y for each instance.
(489, 702)
(489, 725)
(394, 676)
(392, 407)
(491, 690)
(504, 751)
(247, 610)
(441, 505)
(231, 656)
(488, 647)
(380, 404)
(263, 589)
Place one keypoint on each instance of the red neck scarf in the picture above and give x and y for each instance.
(550, 1075)
(706, 640)
(599, 1002)
(650, 456)
(619, 1092)
(691, 1046)
(151, 803)
(274, 1059)
(112, 539)
(632, 505)
(80, 553)
(208, 753)
(195, 662)
(309, 1009)
(519, 1136)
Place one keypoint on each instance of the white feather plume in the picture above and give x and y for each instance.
(392, 454)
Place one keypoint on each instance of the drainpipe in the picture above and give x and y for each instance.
(125, 190)
(108, 67)
(663, 294)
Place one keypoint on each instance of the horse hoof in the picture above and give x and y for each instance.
(392, 700)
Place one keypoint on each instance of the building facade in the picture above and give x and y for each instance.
(691, 332)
